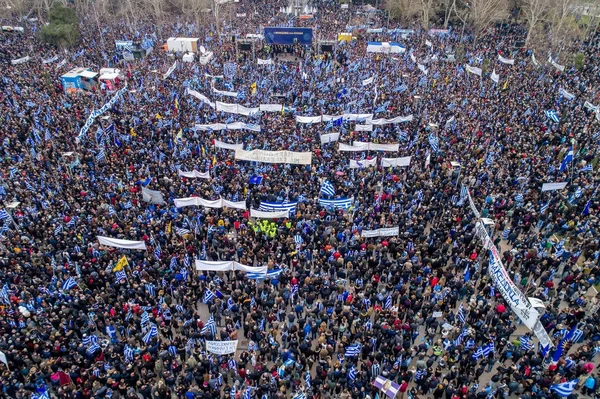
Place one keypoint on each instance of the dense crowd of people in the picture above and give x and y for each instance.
(336, 309)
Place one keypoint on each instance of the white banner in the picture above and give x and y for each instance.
(382, 121)
(152, 196)
(404, 161)
(363, 128)
(221, 347)
(228, 266)
(20, 60)
(422, 69)
(50, 60)
(255, 213)
(287, 157)
(368, 81)
(197, 201)
(227, 146)
(534, 60)
(329, 138)
(99, 112)
(385, 232)
(495, 77)
(363, 164)
(193, 174)
(200, 97)
(3, 358)
(553, 186)
(358, 146)
(117, 243)
(505, 60)
(264, 62)
(228, 126)
(591, 107)
(236, 109)
(511, 294)
(555, 65)
(205, 59)
(170, 70)
(475, 70)
(226, 93)
(537, 303)
(270, 107)
(308, 119)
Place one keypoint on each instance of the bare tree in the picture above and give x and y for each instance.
(426, 11)
(403, 10)
(482, 13)
(563, 27)
(536, 12)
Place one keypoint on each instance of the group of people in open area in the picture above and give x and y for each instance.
(441, 241)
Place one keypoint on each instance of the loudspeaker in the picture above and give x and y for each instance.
(245, 47)
(327, 48)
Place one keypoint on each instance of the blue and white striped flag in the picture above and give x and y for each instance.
(433, 142)
(352, 350)
(506, 233)
(565, 388)
(210, 326)
(526, 343)
(69, 283)
(208, 296)
(327, 189)
(343, 203)
(461, 314)
(153, 332)
(552, 115)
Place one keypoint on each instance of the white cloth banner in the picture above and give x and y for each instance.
(228, 126)
(368, 81)
(505, 60)
(566, 94)
(511, 294)
(553, 186)
(205, 59)
(422, 69)
(117, 243)
(428, 43)
(384, 232)
(226, 266)
(386, 162)
(264, 62)
(152, 196)
(363, 128)
(495, 76)
(308, 119)
(360, 146)
(197, 201)
(193, 174)
(225, 93)
(383, 121)
(329, 138)
(20, 60)
(236, 109)
(287, 157)
(351, 117)
(555, 65)
(270, 107)
(475, 70)
(255, 213)
(591, 107)
(200, 97)
(227, 146)
(363, 164)
(208, 75)
(221, 347)
(50, 60)
(99, 112)
(170, 70)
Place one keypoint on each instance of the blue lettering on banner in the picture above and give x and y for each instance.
(288, 35)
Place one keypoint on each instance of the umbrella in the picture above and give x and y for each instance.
(340, 173)
(501, 308)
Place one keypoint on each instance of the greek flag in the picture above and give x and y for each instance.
(461, 314)
(388, 302)
(145, 318)
(519, 198)
(552, 115)
(209, 296)
(210, 326)
(352, 373)
(433, 142)
(69, 283)
(587, 168)
(298, 240)
(274, 273)
(278, 206)
(181, 231)
(568, 158)
(153, 332)
(343, 203)
(327, 189)
(545, 207)
(506, 233)
(100, 155)
(151, 289)
(526, 343)
(565, 388)
(419, 374)
(93, 348)
(353, 350)
(58, 229)
(4, 214)
(307, 379)
(576, 335)
(128, 352)
(120, 276)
